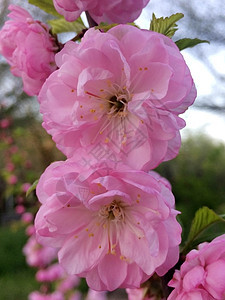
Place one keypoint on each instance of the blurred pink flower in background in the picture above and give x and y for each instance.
(27, 217)
(123, 91)
(12, 179)
(39, 296)
(5, 123)
(68, 283)
(20, 209)
(76, 296)
(95, 295)
(29, 49)
(117, 11)
(52, 273)
(25, 187)
(38, 255)
(13, 149)
(202, 274)
(114, 227)
(10, 167)
(30, 230)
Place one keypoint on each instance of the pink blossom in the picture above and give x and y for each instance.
(122, 92)
(69, 282)
(20, 209)
(28, 48)
(52, 273)
(25, 187)
(116, 227)
(76, 296)
(38, 255)
(5, 123)
(28, 164)
(14, 149)
(38, 296)
(30, 230)
(10, 167)
(120, 11)
(202, 275)
(27, 217)
(9, 140)
(12, 179)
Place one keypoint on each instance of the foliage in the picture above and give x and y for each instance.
(46, 5)
(204, 218)
(15, 276)
(188, 43)
(61, 25)
(197, 176)
(166, 26)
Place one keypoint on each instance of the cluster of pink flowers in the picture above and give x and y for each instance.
(14, 163)
(202, 275)
(29, 49)
(112, 104)
(119, 11)
(112, 108)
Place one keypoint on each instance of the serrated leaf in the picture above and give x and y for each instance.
(32, 188)
(61, 25)
(166, 26)
(204, 218)
(188, 43)
(46, 5)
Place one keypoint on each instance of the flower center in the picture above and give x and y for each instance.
(117, 104)
(112, 211)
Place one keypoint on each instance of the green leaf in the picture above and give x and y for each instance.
(46, 5)
(105, 26)
(32, 188)
(188, 43)
(204, 218)
(166, 26)
(61, 25)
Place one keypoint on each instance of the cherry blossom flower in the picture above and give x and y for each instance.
(119, 94)
(10, 167)
(25, 187)
(27, 217)
(12, 179)
(39, 296)
(116, 227)
(5, 123)
(69, 282)
(28, 48)
(30, 230)
(38, 255)
(52, 273)
(20, 209)
(202, 275)
(119, 11)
